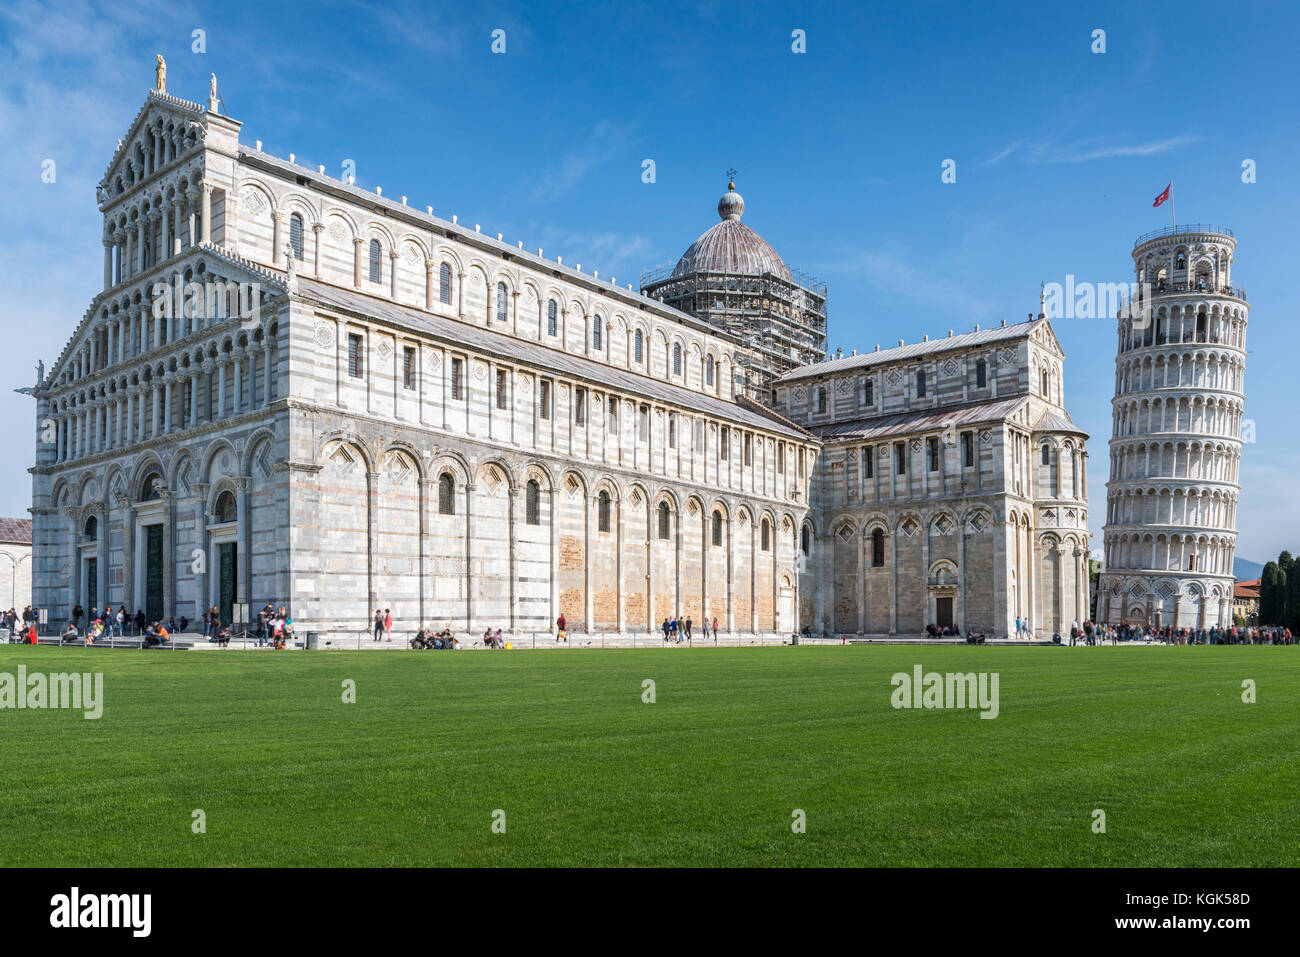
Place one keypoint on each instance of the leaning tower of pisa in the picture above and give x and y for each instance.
(1171, 502)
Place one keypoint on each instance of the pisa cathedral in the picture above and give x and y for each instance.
(294, 390)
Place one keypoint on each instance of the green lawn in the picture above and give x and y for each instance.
(709, 774)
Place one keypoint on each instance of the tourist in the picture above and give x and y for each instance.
(667, 628)
(77, 612)
(69, 636)
(388, 625)
(140, 621)
(222, 637)
(379, 625)
(121, 621)
(715, 631)
(561, 629)
(688, 629)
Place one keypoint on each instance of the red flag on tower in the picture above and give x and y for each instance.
(1165, 195)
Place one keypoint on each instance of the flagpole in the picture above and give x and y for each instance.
(1173, 220)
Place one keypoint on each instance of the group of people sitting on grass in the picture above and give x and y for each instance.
(428, 640)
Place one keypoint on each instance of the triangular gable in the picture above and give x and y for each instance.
(155, 104)
(232, 269)
(1045, 336)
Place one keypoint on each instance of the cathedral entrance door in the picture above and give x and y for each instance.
(153, 572)
(227, 561)
(92, 584)
(943, 612)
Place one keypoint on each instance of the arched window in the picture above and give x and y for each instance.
(444, 284)
(664, 520)
(920, 384)
(708, 370)
(226, 510)
(1044, 382)
(295, 235)
(446, 494)
(677, 358)
(765, 541)
(821, 399)
(501, 302)
(376, 267)
(981, 373)
(552, 321)
(717, 528)
(602, 512)
(91, 530)
(532, 503)
(1047, 455)
(151, 488)
(596, 323)
(878, 548)
(638, 347)
(804, 543)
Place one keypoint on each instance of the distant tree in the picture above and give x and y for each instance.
(1272, 589)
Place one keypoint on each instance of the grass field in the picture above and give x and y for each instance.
(709, 774)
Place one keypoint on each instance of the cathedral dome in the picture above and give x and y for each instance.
(731, 246)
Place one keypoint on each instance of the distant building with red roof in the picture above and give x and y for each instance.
(1245, 601)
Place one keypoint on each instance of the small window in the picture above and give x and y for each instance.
(444, 284)
(672, 430)
(869, 462)
(502, 380)
(1044, 383)
(717, 528)
(981, 373)
(295, 235)
(877, 548)
(821, 399)
(749, 449)
(780, 458)
(611, 415)
(920, 384)
(900, 458)
(765, 537)
(552, 317)
(869, 393)
(501, 302)
(805, 543)
(645, 423)
(968, 449)
(226, 510)
(532, 503)
(799, 457)
(932, 453)
(1047, 455)
(446, 494)
(664, 512)
(456, 366)
(677, 358)
(408, 367)
(596, 324)
(355, 365)
(638, 346)
(544, 399)
(708, 370)
(376, 266)
(724, 443)
(602, 512)
(580, 407)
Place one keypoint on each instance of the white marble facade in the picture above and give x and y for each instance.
(356, 404)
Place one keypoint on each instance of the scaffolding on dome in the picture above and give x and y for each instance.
(781, 323)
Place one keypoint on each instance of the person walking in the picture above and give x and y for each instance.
(715, 631)
(666, 630)
(561, 629)
(379, 625)
(688, 629)
(388, 625)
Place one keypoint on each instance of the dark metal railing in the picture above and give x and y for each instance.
(1179, 230)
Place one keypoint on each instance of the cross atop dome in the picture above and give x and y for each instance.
(732, 205)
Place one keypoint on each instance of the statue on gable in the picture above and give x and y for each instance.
(160, 75)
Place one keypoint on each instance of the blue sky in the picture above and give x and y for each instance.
(1059, 152)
